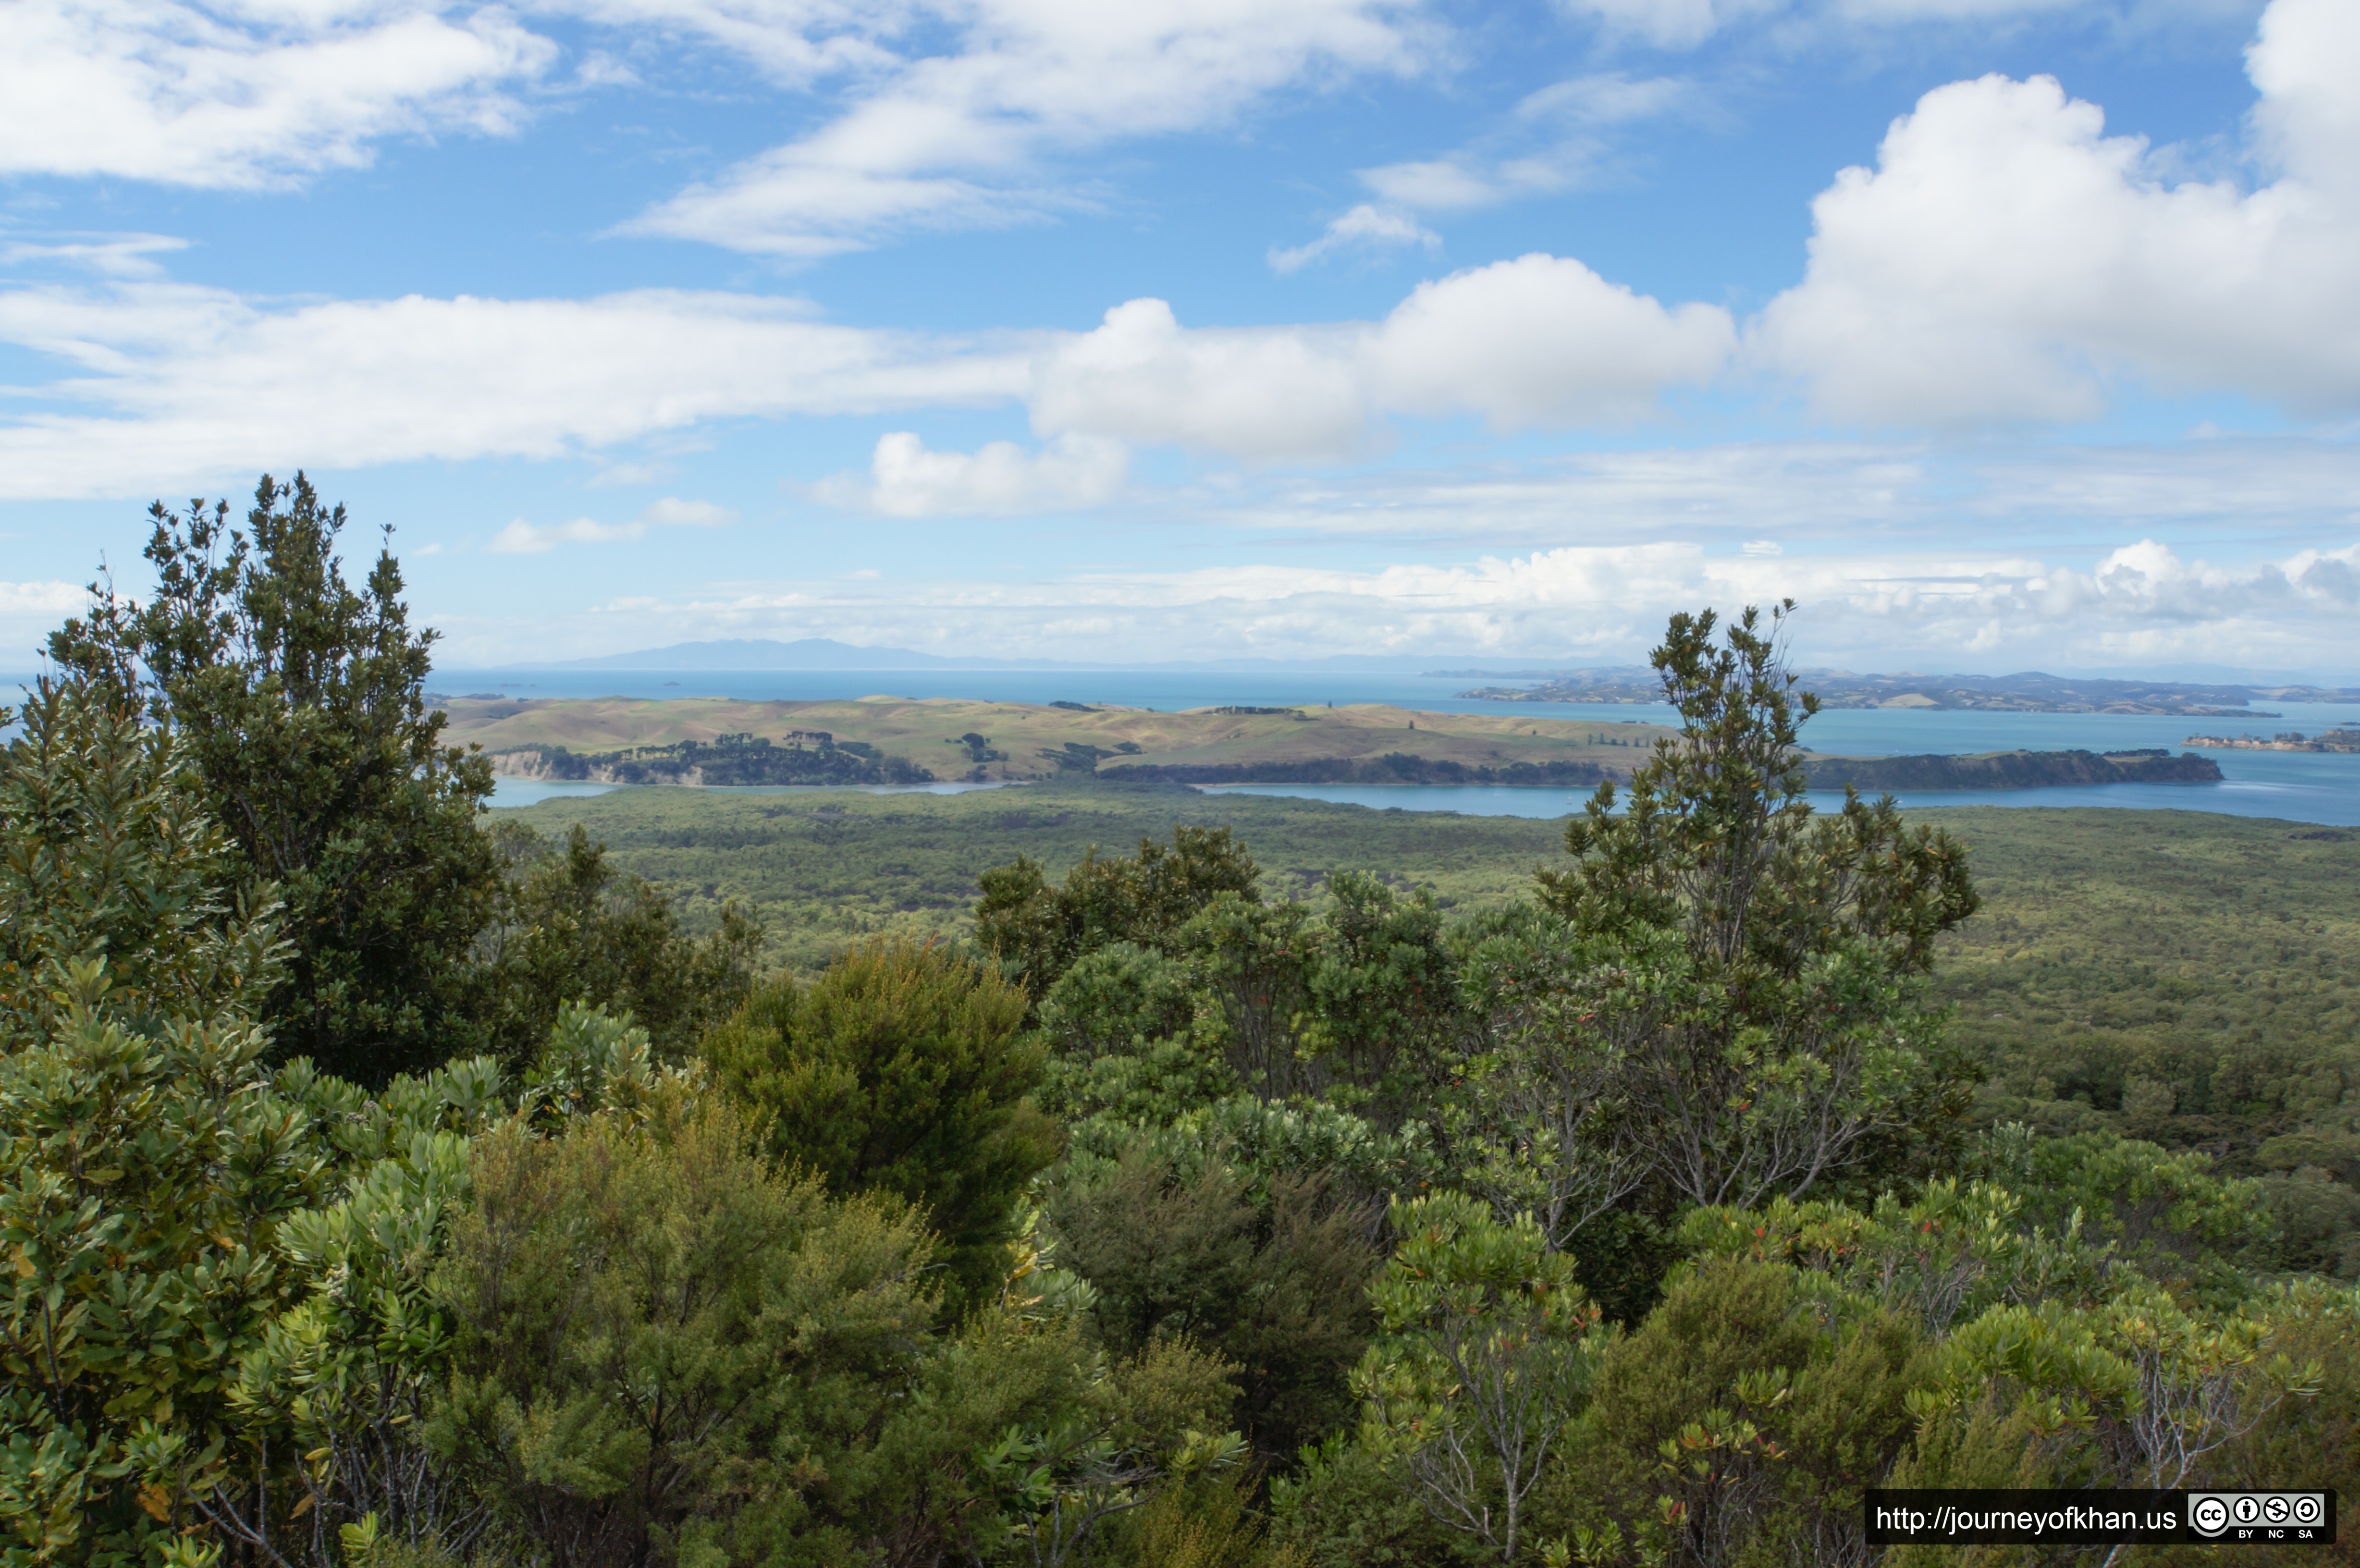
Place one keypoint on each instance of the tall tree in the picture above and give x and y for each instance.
(299, 698)
(1735, 1008)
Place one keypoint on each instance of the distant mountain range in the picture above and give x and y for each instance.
(2030, 690)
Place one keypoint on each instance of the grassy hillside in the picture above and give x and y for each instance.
(2207, 966)
(1027, 741)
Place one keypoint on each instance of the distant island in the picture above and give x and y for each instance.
(2293, 740)
(2031, 692)
(2010, 770)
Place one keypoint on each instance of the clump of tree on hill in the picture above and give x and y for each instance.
(1166, 1224)
(734, 760)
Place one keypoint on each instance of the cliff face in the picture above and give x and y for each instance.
(2010, 770)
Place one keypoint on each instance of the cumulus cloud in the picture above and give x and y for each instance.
(2007, 258)
(907, 480)
(521, 537)
(961, 137)
(246, 96)
(1538, 341)
(1366, 228)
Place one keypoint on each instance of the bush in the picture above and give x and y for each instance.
(902, 1070)
(1278, 1287)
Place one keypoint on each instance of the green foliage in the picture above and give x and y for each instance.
(299, 698)
(107, 854)
(1489, 1352)
(2165, 1213)
(902, 1070)
(1734, 1425)
(1737, 994)
(641, 1323)
(1274, 1286)
(665, 1351)
(1207, 1522)
(830, 1294)
(1040, 931)
(208, 1327)
(570, 927)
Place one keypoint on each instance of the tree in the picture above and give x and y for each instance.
(1491, 1350)
(211, 1266)
(1277, 1287)
(1039, 931)
(300, 700)
(569, 927)
(1738, 984)
(902, 1070)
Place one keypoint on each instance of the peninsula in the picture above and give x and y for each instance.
(2010, 770)
(2293, 740)
(886, 740)
(716, 742)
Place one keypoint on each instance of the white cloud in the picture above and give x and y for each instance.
(197, 383)
(191, 384)
(243, 97)
(45, 599)
(962, 138)
(521, 537)
(906, 480)
(1267, 394)
(110, 255)
(1540, 340)
(2006, 259)
(1685, 24)
(1364, 227)
(1938, 608)
(1669, 24)
(1543, 340)
(670, 512)
(1555, 139)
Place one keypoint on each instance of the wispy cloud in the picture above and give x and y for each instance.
(1000, 478)
(970, 136)
(1364, 228)
(521, 537)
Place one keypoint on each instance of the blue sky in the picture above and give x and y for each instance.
(1998, 332)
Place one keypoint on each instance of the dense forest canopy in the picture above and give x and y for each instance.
(1172, 1219)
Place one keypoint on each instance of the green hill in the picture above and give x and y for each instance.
(1021, 741)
